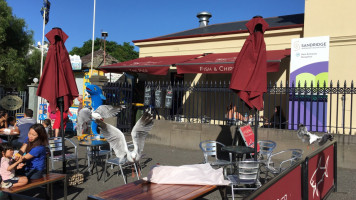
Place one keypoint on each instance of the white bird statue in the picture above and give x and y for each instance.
(304, 134)
(114, 136)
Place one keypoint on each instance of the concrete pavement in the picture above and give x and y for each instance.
(163, 155)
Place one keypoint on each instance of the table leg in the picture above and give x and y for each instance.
(65, 188)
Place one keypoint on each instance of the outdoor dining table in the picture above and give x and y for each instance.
(9, 136)
(151, 191)
(239, 151)
(94, 145)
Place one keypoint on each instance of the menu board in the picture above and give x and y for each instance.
(248, 136)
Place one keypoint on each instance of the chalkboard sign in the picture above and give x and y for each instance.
(158, 97)
(147, 100)
(169, 97)
(248, 137)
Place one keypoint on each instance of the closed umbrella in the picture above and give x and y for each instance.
(249, 77)
(57, 83)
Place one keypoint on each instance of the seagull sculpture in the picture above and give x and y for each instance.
(305, 136)
(114, 136)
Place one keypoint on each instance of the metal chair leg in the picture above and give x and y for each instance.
(232, 192)
(122, 174)
(138, 177)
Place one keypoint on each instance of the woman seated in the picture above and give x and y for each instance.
(33, 151)
(278, 119)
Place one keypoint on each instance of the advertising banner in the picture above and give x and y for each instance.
(309, 60)
(249, 137)
(42, 114)
(288, 187)
(321, 173)
(309, 64)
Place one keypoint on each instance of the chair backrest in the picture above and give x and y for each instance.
(209, 148)
(297, 154)
(249, 171)
(266, 147)
(55, 144)
(288, 157)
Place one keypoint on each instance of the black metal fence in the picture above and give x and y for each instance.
(120, 94)
(321, 107)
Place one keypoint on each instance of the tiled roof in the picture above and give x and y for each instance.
(98, 59)
(274, 22)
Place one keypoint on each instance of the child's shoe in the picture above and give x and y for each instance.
(6, 185)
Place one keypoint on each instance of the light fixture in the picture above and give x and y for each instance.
(35, 80)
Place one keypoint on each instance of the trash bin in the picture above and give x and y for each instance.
(138, 109)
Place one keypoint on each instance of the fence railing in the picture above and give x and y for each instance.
(320, 107)
(120, 94)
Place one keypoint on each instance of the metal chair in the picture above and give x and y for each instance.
(55, 145)
(115, 161)
(288, 157)
(248, 175)
(209, 148)
(102, 152)
(266, 149)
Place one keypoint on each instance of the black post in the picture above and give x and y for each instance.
(256, 128)
(60, 103)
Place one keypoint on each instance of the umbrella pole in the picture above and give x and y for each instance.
(256, 128)
(60, 102)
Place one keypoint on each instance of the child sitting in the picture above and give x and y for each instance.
(7, 168)
(11, 121)
(47, 125)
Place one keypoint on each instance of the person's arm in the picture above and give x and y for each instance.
(28, 156)
(6, 125)
(21, 152)
(11, 167)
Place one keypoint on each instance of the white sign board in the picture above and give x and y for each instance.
(309, 60)
(76, 62)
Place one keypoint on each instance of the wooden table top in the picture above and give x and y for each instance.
(150, 191)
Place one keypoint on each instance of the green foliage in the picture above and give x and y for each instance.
(15, 41)
(122, 52)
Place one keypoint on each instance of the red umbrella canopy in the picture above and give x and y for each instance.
(249, 77)
(57, 79)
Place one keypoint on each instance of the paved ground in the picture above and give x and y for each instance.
(165, 156)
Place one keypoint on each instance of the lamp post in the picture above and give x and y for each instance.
(104, 35)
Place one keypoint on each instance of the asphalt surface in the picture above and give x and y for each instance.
(163, 155)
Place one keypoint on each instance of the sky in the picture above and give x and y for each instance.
(130, 20)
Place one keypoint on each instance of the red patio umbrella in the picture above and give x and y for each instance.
(57, 83)
(249, 77)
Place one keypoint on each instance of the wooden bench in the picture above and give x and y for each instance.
(47, 179)
(150, 191)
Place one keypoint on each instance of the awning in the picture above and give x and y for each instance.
(149, 65)
(224, 63)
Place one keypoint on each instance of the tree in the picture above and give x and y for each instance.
(122, 52)
(15, 41)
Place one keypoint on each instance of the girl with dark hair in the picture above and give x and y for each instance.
(35, 149)
(47, 125)
(8, 167)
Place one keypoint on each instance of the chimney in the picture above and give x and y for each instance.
(204, 18)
